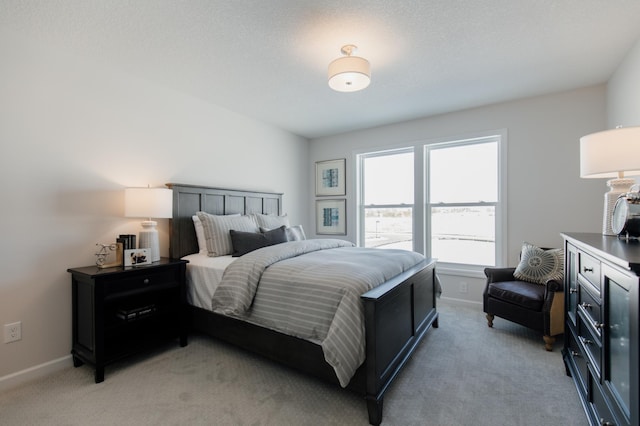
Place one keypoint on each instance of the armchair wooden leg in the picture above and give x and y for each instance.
(548, 342)
(490, 320)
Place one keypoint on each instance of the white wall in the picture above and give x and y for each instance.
(545, 193)
(73, 135)
(623, 92)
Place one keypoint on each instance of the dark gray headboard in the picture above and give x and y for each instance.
(189, 199)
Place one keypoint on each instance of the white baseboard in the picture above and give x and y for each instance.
(36, 372)
(460, 302)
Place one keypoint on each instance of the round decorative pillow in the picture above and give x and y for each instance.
(539, 266)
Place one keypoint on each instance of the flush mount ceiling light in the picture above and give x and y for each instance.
(349, 73)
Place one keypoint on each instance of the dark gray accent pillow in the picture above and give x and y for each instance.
(246, 242)
(294, 233)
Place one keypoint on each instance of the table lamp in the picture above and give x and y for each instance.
(148, 203)
(611, 154)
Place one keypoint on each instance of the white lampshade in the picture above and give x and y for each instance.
(349, 73)
(149, 203)
(611, 154)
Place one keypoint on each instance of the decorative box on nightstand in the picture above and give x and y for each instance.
(120, 311)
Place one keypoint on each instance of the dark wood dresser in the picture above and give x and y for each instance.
(601, 335)
(122, 310)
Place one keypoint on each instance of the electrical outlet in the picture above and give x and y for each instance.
(13, 332)
(464, 287)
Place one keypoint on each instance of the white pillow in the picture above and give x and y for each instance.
(202, 241)
(216, 231)
(271, 221)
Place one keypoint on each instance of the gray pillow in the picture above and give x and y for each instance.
(271, 221)
(539, 266)
(246, 242)
(294, 233)
(216, 231)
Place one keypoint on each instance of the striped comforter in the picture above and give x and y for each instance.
(311, 289)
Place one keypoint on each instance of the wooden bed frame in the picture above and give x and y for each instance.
(397, 313)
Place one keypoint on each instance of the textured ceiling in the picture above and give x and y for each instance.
(268, 59)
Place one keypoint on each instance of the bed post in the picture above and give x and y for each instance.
(374, 409)
(397, 315)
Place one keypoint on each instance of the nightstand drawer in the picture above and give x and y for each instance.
(141, 280)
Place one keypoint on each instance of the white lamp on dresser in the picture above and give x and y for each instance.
(611, 154)
(148, 203)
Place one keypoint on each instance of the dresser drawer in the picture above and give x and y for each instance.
(602, 412)
(589, 269)
(590, 343)
(580, 361)
(589, 305)
(141, 280)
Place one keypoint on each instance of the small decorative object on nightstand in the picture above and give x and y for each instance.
(119, 311)
(150, 203)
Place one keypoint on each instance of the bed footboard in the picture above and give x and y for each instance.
(397, 315)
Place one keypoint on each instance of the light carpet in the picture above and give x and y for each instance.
(463, 373)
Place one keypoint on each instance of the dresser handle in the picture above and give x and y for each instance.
(145, 281)
(586, 341)
(585, 269)
(575, 354)
(603, 422)
(573, 290)
(586, 305)
(599, 325)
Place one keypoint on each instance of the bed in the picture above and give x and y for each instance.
(397, 313)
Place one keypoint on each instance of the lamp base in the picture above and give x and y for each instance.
(618, 187)
(148, 238)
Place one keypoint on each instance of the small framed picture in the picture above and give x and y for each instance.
(331, 217)
(330, 177)
(137, 257)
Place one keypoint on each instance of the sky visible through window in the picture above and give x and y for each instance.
(389, 179)
(466, 173)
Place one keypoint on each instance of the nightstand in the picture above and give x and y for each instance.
(123, 310)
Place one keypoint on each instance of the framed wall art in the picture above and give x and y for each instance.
(330, 177)
(331, 217)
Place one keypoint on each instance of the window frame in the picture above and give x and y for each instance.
(362, 207)
(500, 137)
(421, 229)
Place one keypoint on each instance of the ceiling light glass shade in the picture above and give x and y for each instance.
(349, 73)
(611, 154)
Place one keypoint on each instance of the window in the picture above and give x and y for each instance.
(386, 199)
(463, 201)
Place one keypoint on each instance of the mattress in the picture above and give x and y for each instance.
(204, 273)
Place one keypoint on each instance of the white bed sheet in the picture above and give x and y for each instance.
(203, 276)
